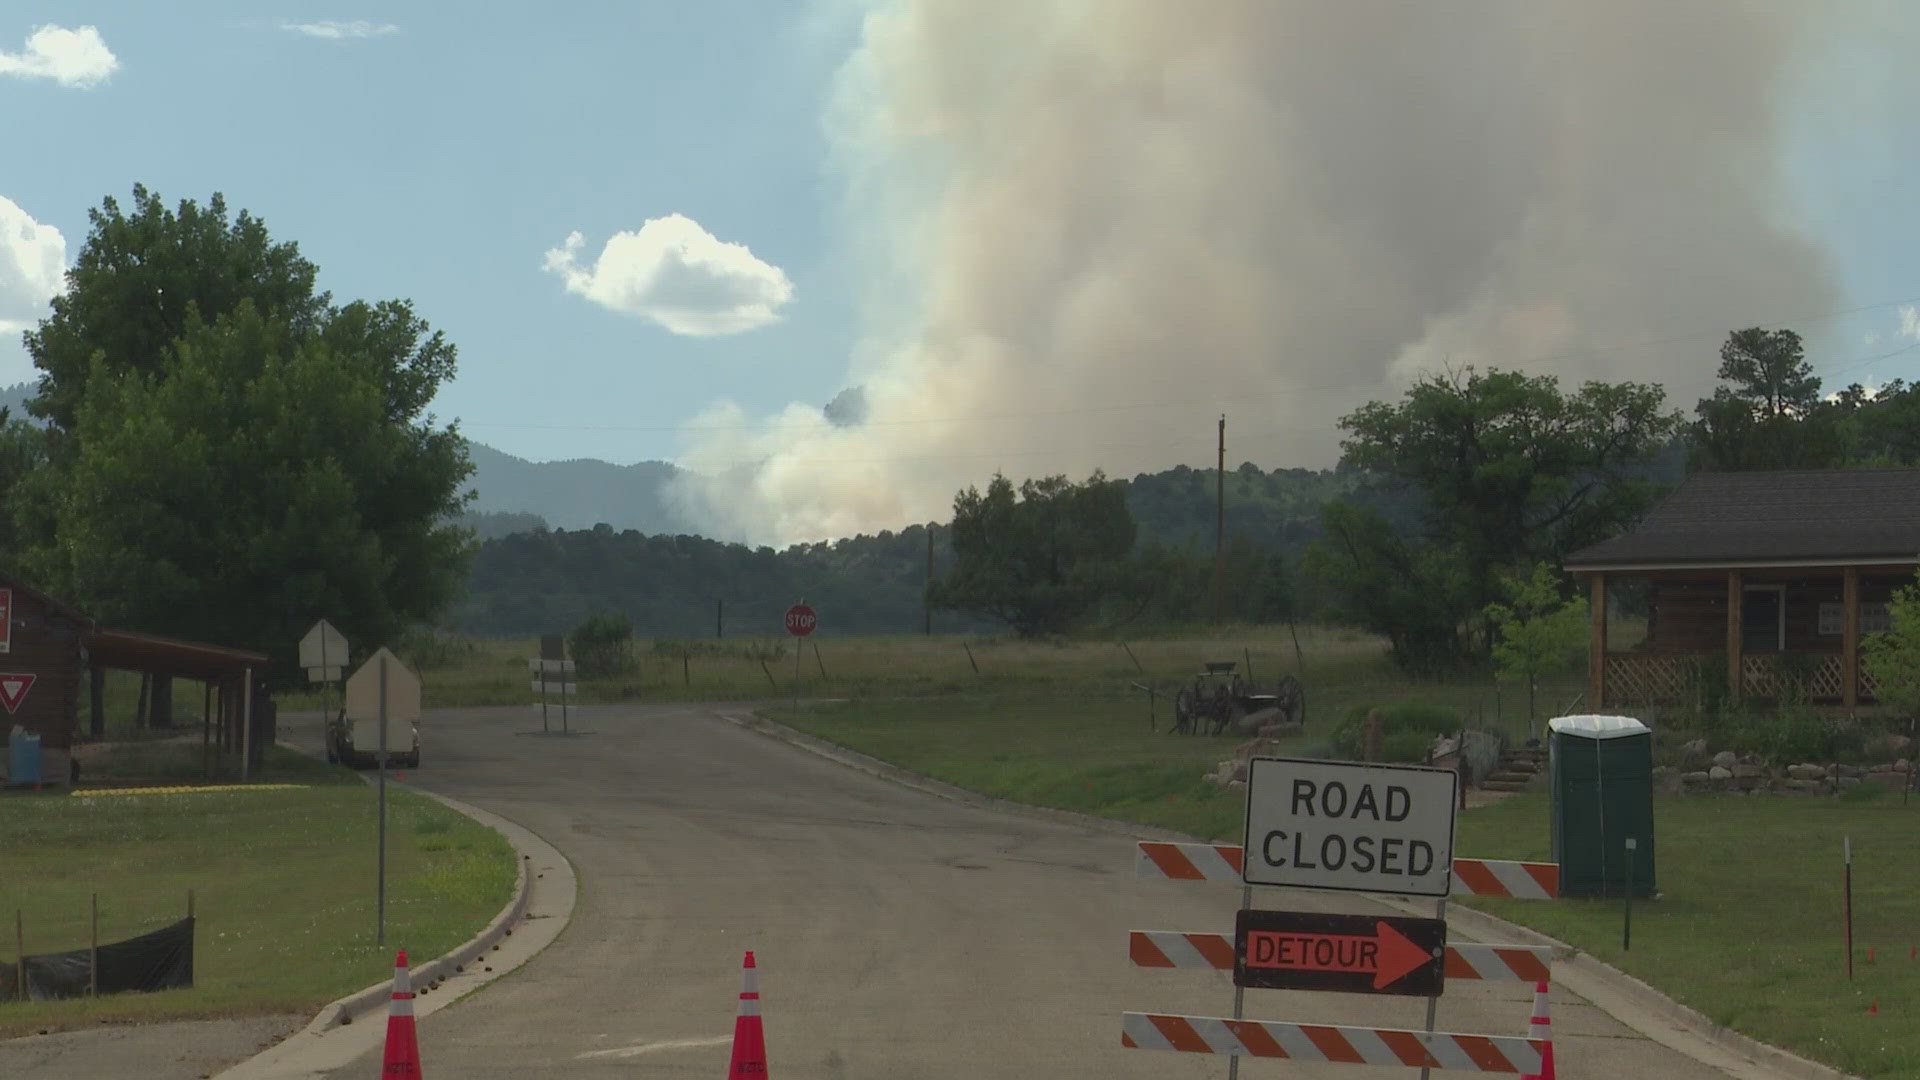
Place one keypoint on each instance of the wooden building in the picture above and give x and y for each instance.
(49, 645)
(1775, 575)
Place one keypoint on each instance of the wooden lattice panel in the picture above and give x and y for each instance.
(1758, 677)
(1650, 678)
(1827, 678)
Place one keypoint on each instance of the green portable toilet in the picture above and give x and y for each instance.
(1600, 770)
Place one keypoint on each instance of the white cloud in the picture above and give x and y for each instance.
(336, 30)
(1910, 322)
(33, 264)
(674, 272)
(68, 57)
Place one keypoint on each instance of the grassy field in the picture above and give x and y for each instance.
(283, 883)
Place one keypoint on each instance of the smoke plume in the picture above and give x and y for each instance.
(1121, 218)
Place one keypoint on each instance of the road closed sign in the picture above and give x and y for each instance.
(1350, 826)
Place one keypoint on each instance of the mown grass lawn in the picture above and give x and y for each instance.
(283, 884)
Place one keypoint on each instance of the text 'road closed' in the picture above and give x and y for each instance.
(1338, 825)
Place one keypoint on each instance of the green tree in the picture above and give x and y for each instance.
(1044, 561)
(1771, 415)
(1413, 594)
(1511, 470)
(266, 463)
(1893, 656)
(1538, 628)
(23, 450)
(142, 276)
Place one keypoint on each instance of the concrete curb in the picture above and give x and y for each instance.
(331, 1039)
(347, 1008)
(1587, 973)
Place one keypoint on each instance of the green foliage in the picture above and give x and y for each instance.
(1513, 472)
(1792, 732)
(230, 454)
(1043, 562)
(1770, 416)
(1412, 594)
(1407, 730)
(603, 645)
(1893, 656)
(1539, 630)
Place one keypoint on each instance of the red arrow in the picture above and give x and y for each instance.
(1387, 953)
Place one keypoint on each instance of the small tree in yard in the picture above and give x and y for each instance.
(1538, 629)
(1893, 656)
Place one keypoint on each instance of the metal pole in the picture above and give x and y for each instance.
(20, 951)
(1626, 928)
(380, 879)
(544, 727)
(1220, 523)
(565, 727)
(93, 949)
(246, 722)
(798, 649)
(1239, 992)
(1846, 900)
(1433, 1003)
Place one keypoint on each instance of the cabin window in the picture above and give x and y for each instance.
(1874, 618)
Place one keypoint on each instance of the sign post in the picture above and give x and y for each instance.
(553, 671)
(801, 622)
(323, 652)
(6, 620)
(386, 689)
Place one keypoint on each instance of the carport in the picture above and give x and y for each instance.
(229, 678)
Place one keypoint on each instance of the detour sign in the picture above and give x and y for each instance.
(1298, 950)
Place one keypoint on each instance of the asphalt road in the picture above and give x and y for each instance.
(898, 934)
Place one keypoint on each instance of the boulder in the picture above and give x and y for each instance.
(1849, 782)
(1852, 772)
(1694, 779)
(1719, 772)
(1899, 746)
(1806, 772)
(1745, 771)
(1725, 759)
(1694, 748)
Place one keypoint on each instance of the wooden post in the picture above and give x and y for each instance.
(20, 951)
(1850, 637)
(1597, 646)
(1220, 540)
(1734, 643)
(927, 600)
(97, 701)
(686, 669)
(93, 950)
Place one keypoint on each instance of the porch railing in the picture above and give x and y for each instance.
(1675, 678)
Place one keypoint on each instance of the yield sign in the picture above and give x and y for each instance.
(1287, 950)
(13, 689)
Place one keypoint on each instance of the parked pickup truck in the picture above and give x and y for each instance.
(357, 743)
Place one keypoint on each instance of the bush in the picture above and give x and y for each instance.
(603, 645)
(1407, 730)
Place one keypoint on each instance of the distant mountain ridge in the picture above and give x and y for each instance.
(576, 494)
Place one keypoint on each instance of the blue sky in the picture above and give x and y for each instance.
(446, 153)
(438, 152)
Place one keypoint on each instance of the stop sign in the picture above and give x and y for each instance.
(800, 620)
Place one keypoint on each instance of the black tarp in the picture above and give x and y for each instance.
(161, 960)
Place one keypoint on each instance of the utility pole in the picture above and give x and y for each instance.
(1220, 523)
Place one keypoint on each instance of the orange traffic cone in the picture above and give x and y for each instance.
(402, 1061)
(749, 1041)
(1541, 1028)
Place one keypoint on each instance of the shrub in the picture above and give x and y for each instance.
(603, 645)
(1407, 729)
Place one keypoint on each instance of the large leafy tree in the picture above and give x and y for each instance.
(1540, 629)
(1042, 560)
(1511, 470)
(230, 466)
(1770, 414)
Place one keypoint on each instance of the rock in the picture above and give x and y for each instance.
(1239, 772)
(1694, 748)
(1725, 759)
(1280, 729)
(1806, 772)
(1801, 785)
(1883, 767)
(1899, 745)
(1667, 782)
(1852, 772)
(1236, 785)
(1692, 779)
(1720, 772)
(1849, 782)
(1903, 765)
(1749, 772)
